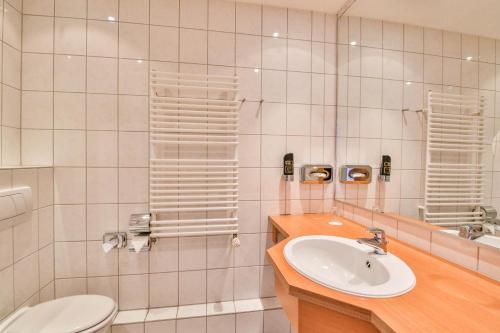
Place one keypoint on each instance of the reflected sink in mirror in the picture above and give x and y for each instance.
(485, 239)
(345, 265)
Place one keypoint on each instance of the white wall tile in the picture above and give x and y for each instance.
(38, 7)
(102, 38)
(133, 291)
(69, 223)
(413, 38)
(69, 73)
(274, 86)
(69, 110)
(69, 185)
(37, 71)
(248, 18)
(70, 36)
(193, 46)
(393, 36)
(164, 43)
(248, 51)
(163, 289)
(192, 287)
(299, 56)
(102, 113)
(69, 148)
(136, 11)
(194, 14)
(299, 24)
(274, 53)
(12, 28)
(371, 33)
(133, 77)
(102, 10)
(452, 45)
(274, 21)
(318, 26)
(37, 110)
(70, 259)
(221, 15)
(133, 41)
(102, 149)
(11, 66)
(38, 34)
(71, 8)
(433, 42)
(221, 48)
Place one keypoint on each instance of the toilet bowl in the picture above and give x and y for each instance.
(73, 314)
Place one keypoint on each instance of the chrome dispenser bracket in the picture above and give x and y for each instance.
(356, 174)
(316, 174)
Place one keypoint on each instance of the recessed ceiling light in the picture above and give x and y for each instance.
(139, 61)
(111, 18)
(353, 43)
(469, 58)
(276, 34)
(256, 70)
(408, 83)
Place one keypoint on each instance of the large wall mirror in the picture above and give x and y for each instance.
(445, 158)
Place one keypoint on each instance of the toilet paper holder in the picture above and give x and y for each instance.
(112, 240)
(139, 226)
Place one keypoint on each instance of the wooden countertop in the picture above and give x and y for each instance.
(446, 298)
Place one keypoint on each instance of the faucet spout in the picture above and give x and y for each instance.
(378, 242)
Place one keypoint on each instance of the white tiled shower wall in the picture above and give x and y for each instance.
(10, 79)
(386, 67)
(27, 249)
(85, 87)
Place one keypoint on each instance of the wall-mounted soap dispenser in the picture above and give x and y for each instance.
(385, 169)
(288, 167)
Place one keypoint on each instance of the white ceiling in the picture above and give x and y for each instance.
(328, 6)
(476, 17)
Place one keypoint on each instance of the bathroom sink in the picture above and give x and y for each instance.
(345, 265)
(485, 239)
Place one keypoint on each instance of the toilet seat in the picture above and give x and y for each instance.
(74, 314)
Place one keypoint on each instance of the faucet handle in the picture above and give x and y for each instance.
(377, 232)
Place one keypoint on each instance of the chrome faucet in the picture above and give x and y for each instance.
(472, 231)
(378, 242)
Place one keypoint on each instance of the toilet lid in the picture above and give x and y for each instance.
(64, 315)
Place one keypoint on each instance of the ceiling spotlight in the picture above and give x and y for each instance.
(256, 70)
(111, 18)
(408, 83)
(353, 43)
(276, 34)
(469, 58)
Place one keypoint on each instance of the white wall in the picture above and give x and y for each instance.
(85, 79)
(10, 79)
(27, 249)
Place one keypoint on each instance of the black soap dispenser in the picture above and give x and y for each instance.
(385, 169)
(288, 167)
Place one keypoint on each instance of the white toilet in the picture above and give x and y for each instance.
(74, 314)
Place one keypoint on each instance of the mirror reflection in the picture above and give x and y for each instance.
(416, 109)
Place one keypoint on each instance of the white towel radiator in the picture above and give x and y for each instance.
(193, 165)
(454, 170)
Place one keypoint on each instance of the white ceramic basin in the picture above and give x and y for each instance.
(345, 265)
(485, 239)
